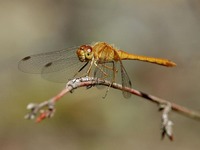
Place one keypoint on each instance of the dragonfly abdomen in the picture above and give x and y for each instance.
(160, 61)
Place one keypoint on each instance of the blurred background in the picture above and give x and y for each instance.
(83, 120)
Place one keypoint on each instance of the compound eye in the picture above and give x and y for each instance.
(89, 50)
(82, 47)
(89, 53)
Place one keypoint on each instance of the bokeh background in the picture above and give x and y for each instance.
(83, 120)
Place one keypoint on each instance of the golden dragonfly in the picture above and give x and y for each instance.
(102, 57)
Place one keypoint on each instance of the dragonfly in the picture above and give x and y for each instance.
(100, 59)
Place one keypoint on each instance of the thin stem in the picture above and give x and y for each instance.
(175, 107)
(90, 81)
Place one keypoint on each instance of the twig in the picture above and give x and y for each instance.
(166, 126)
(88, 82)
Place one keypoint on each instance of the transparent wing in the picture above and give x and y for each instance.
(35, 63)
(109, 71)
(63, 69)
(57, 66)
(126, 82)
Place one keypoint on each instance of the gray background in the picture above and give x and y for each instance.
(83, 120)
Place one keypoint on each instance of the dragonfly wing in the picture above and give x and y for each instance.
(35, 63)
(63, 69)
(126, 82)
(57, 66)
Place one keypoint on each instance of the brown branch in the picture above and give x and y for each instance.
(175, 107)
(88, 82)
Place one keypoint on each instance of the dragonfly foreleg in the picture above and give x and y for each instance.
(87, 73)
(81, 69)
(90, 67)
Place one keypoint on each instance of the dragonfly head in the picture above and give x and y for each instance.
(85, 53)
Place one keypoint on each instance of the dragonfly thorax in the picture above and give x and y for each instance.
(85, 53)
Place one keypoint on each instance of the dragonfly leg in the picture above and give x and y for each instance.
(113, 78)
(106, 75)
(113, 68)
(90, 67)
(87, 73)
(81, 69)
